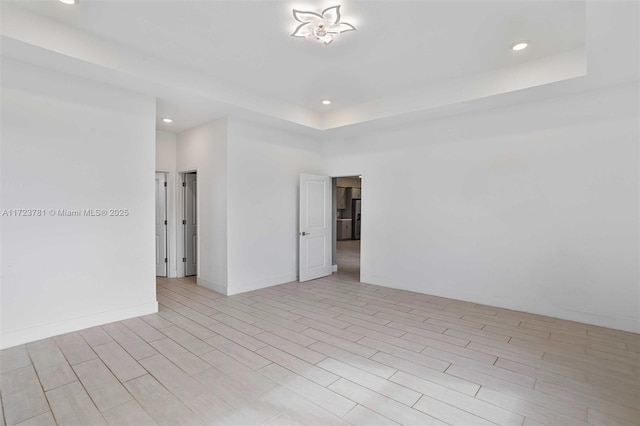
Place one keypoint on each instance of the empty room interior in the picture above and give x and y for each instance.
(309, 212)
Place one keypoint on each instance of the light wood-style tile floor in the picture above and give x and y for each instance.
(329, 351)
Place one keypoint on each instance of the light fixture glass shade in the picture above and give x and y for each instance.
(69, 1)
(320, 27)
(521, 45)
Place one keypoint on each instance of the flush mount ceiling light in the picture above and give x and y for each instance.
(320, 27)
(326, 102)
(520, 45)
(69, 1)
(167, 120)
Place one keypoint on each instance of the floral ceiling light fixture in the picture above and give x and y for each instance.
(321, 27)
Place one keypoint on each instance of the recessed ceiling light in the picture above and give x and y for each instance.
(326, 102)
(167, 120)
(521, 45)
(69, 1)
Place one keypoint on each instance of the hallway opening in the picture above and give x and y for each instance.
(347, 210)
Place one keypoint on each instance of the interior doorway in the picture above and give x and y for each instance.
(161, 224)
(348, 219)
(190, 223)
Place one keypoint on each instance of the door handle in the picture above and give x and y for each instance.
(305, 233)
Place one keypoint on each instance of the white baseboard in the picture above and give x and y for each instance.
(31, 334)
(334, 268)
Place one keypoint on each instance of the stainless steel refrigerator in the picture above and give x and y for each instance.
(355, 218)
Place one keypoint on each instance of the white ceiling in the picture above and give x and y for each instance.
(204, 59)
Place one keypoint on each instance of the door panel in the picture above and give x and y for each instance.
(315, 227)
(161, 227)
(191, 225)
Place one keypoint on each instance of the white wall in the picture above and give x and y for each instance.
(166, 162)
(532, 207)
(204, 149)
(68, 143)
(165, 151)
(264, 175)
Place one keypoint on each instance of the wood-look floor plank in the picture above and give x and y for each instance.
(142, 329)
(186, 311)
(339, 342)
(325, 328)
(317, 394)
(74, 348)
(299, 408)
(474, 406)
(395, 332)
(95, 336)
(72, 406)
(45, 419)
(181, 357)
(179, 383)
(103, 387)
(452, 382)
(382, 405)
(429, 333)
(238, 337)
(627, 413)
(240, 353)
(123, 365)
(448, 413)
(156, 321)
(128, 414)
(362, 416)
(285, 333)
(231, 391)
(187, 340)
(526, 408)
(185, 323)
(375, 383)
(22, 395)
(239, 325)
(571, 409)
(250, 379)
(354, 360)
(14, 358)
(294, 349)
(286, 323)
(129, 341)
(160, 404)
(51, 365)
(303, 368)
(434, 346)
(421, 359)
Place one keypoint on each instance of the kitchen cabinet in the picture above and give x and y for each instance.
(344, 229)
(355, 193)
(342, 198)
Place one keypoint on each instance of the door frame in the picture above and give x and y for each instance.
(180, 237)
(166, 226)
(334, 243)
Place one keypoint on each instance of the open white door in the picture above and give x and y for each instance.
(315, 227)
(161, 225)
